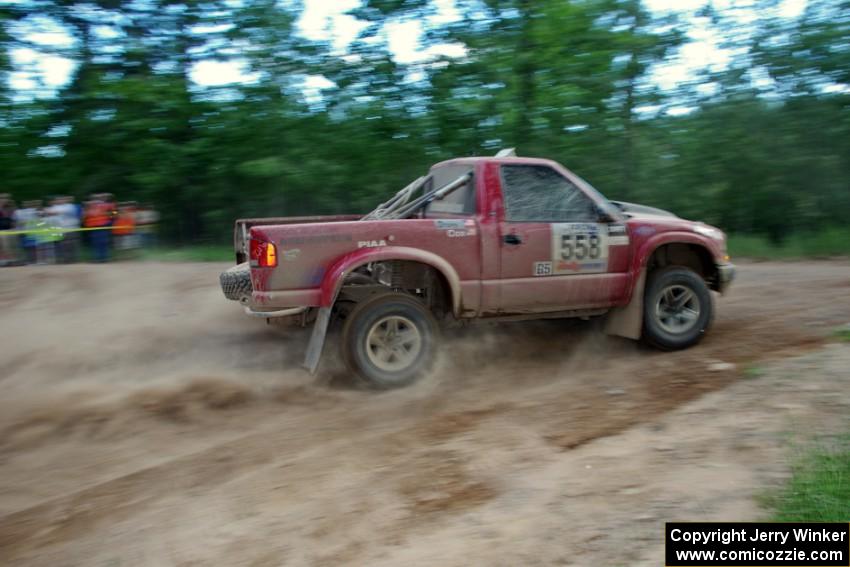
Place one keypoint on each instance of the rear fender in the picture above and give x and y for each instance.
(335, 275)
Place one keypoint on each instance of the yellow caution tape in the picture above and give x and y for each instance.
(62, 230)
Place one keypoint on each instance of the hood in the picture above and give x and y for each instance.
(642, 214)
(642, 210)
(648, 221)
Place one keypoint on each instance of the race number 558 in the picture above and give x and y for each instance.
(578, 246)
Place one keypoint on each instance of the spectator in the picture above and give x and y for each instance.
(124, 227)
(25, 218)
(7, 212)
(111, 207)
(46, 238)
(8, 242)
(52, 216)
(65, 215)
(98, 216)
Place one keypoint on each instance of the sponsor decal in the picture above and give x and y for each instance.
(616, 229)
(291, 254)
(445, 224)
(617, 235)
(645, 230)
(568, 266)
(456, 228)
(371, 243)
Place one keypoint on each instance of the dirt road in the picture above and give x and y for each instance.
(144, 420)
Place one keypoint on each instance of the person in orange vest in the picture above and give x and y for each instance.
(124, 227)
(98, 215)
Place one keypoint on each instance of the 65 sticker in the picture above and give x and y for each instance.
(542, 268)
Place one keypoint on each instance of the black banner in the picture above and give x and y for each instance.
(744, 544)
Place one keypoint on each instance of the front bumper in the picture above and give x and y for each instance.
(725, 276)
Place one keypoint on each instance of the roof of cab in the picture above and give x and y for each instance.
(479, 159)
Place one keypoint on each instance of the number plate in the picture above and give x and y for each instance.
(579, 248)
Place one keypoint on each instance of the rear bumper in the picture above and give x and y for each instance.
(725, 276)
(272, 314)
(286, 299)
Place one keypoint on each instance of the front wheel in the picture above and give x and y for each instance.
(678, 308)
(389, 340)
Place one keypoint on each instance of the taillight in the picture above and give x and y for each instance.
(263, 254)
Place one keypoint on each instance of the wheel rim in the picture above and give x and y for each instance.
(393, 343)
(677, 309)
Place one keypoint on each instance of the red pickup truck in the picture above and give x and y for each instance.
(496, 237)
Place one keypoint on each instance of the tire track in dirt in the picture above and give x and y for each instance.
(67, 517)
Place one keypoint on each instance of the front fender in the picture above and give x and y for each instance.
(627, 320)
(335, 275)
(645, 250)
(650, 245)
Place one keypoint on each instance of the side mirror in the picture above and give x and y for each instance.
(603, 215)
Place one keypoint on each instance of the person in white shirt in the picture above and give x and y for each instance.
(24, 218)
(64, 214)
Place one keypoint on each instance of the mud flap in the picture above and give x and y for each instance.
(627, 321)
(317, 340)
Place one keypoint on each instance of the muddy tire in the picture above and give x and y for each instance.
(678, 308)
(236, 282)
(389, 341)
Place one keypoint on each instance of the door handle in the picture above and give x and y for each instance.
(512, 239)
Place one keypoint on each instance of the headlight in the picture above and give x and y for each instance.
(709, 232)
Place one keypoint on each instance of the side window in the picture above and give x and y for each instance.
(461, 201)
(539, 193)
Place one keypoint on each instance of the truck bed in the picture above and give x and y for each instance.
(242, 228)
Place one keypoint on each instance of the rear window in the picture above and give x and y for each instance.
(461, 201)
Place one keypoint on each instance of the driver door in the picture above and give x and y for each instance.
(557, 253)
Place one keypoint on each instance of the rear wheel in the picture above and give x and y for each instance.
(678, 308)
(389, 340)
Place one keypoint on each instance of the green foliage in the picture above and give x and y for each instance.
(842, 334)
(819, 490)
(560, 79)
(824, 243)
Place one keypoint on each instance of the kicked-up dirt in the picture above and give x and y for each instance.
(144, 420)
